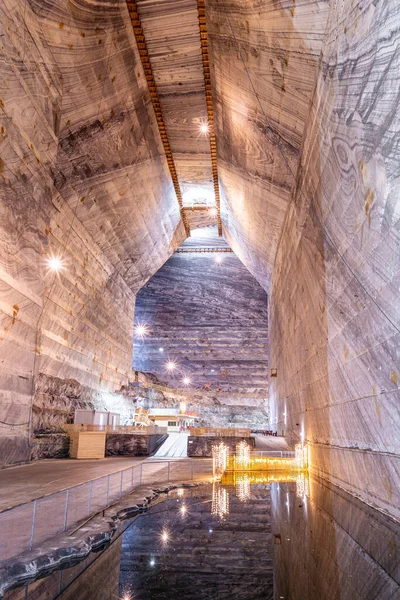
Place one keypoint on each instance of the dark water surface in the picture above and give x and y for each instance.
(290, 541)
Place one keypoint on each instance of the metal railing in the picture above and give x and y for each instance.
(26, 526)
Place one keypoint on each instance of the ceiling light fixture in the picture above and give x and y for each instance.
(161, 349)
(186, 380)
(171, 365)
(218, 259)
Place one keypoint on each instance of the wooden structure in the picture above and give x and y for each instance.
(209, 102)
(177, 71)
(148, 71)
(87, 444)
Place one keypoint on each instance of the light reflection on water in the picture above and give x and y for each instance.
(211, 555)
(237, 539)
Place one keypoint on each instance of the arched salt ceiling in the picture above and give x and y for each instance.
(88, 97)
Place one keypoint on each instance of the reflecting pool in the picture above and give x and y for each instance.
(293, 539)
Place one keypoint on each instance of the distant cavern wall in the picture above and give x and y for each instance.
(216, 409)
(79, 151)
(210, 318)
(334, 308)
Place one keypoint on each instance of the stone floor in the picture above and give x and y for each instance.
(27, 482)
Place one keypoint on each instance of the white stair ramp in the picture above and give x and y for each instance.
(175, 446)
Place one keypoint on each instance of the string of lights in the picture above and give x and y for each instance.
(203, 250)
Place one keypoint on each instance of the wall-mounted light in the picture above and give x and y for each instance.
(274, 372)
(164, 536)
(218, 259)
(204, 128)
(141, 330)
(55, 263)
(213, 212)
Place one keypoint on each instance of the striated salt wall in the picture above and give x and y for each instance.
(334, 303)
(79, 153)
(210, 318)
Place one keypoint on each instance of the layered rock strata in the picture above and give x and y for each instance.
(334, 308)
(210, 318)
(80, 153)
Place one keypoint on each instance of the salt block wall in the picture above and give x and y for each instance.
(334, 308)
(212, 319)
(72, 143)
